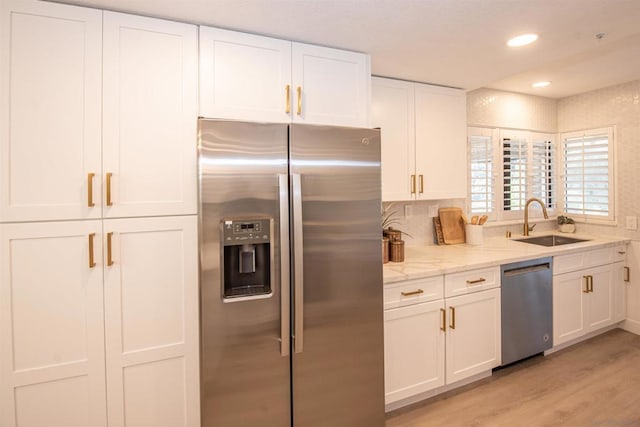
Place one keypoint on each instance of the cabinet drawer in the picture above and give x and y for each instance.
(471, 281)
(587, 259)
(413, 292)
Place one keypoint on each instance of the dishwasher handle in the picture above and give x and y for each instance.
(528, 269)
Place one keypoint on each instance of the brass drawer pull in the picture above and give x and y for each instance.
(92, 262)
(90, 202)
(413, 184)
(586, 284)
(109, 201)
(452, 325)
(109, 248)
(406, 294)
(288, 102)
(621, 252)
(421, 183)
(443, 326)
(591, 283)
(473, 282)
(299, 91)
(627, 274)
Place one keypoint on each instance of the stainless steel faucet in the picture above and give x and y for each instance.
(525, 228)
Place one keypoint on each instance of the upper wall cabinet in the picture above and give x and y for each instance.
(50, 110)
(62, 142)
(248, 77)
(423, 130)
(150, 116)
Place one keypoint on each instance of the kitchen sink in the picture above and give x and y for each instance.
(551, 240)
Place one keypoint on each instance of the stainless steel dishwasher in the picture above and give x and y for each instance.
(527, 313)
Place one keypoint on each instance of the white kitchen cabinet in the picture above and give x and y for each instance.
(249, 77)
(423, 130)
(151, 321)
(331, 86)
(244, 76)
(150, 116)
(52, 360)
(583, 301)
(414, 350)
(392, 110)
(50, 111)
(473, 334)
(430, 341)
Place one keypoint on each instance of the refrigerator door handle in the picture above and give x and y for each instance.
(285, 282)
(298, 273)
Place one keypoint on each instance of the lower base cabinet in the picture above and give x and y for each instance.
(587, 300)
(99, 323)
(431, 344)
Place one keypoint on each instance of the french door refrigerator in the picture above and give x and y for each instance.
(291, 275)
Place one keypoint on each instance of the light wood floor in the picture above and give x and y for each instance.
(595, 384)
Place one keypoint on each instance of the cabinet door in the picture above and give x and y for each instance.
(392, 110)
(334, 86)
(441, 143)
(569, 306)
(473, 334)
(51, 325)
(244, 77)
(50, 107)
(151, 321)
(150, 116)
(413, 350)
(619, 292)
(600, 299)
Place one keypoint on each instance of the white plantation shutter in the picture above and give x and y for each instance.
(541, 172)
(481, 186)
(514, 168)
(588, 174)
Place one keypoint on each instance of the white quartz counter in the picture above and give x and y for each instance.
(426, 261)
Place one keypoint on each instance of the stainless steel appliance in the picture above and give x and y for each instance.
(291, 275)
(527, 310)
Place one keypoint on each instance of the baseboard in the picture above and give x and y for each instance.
(583, 338)
(632, 326)
(436, 391)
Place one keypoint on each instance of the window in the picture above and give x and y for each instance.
(526, 169)
(481, 174)
(587, 169)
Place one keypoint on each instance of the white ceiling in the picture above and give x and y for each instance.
(459, 43)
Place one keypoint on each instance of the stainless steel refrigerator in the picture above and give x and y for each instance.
(291, 275)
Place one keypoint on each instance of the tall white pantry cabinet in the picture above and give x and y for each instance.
(98, 224)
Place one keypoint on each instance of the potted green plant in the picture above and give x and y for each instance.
(567, 225)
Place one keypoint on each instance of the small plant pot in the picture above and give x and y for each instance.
(567, 228)
(385, 250)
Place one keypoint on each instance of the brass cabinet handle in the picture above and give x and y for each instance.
(288, 102)
(627, 274)
(413, 184)
(92, 262)
(406, 294)
(476, 281)
(621, 252)
(421, 183)
(443, 325)
(586, 284)
(109, 253)
(109, 202)
(299, 91)
(452, 325)
(90, 202)
(590, 283)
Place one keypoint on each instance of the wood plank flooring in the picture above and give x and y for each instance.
(595, 383)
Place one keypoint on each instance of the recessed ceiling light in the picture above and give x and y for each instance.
(522, 40)
(541, 84)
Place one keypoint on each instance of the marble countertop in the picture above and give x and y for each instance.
(426, 261)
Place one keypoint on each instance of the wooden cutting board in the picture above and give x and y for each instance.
(452, 225)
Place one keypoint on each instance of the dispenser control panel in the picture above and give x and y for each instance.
(237, 232)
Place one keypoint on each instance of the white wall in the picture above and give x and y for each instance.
(495, 108)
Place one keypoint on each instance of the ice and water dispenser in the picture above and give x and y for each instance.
(247, 258)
